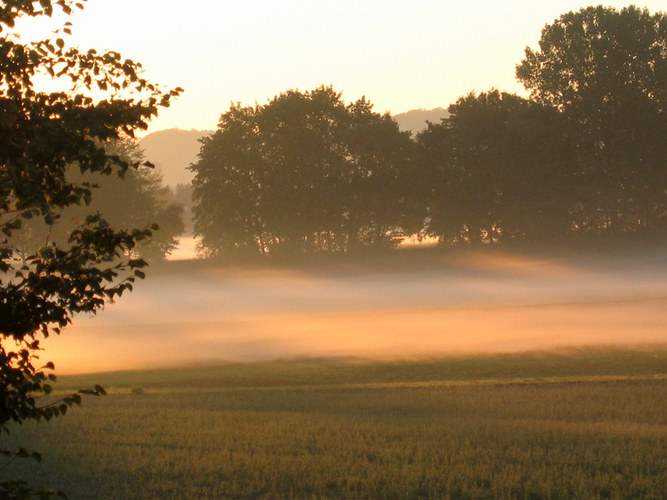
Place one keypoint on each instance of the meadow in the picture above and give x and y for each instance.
(573, 423)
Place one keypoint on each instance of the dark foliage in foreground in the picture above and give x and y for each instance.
(42, 135)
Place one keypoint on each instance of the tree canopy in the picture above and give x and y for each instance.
(586, 155)
(138, 199)
(497, 171)
(606, 71)
(101, 98)
(305, 173)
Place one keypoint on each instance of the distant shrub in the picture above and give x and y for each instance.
(136, 390)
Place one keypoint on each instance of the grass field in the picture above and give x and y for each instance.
(574, 424)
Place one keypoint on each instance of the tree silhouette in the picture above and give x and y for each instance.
(103, 97)
(305, 173)
(606, 72)
(138, 199)
(498, 171)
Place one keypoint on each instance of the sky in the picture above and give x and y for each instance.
(399, 55)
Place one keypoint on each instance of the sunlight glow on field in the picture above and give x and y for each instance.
(500, 303)
(187, 249)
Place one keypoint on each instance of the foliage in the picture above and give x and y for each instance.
(181, 195)
(305, 173)
(139, 199)
(584, 156)
(145, 202)
(606, 71)
(101, 98)
(496, 170)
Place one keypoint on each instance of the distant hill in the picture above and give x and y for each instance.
(415, 119)
(172, 151)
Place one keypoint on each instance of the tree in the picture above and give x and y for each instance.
(496, 170)
(139, 199)
(103, 98)
(606, 72)
(305, 173)
(145, 203)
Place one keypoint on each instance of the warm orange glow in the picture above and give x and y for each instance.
(476, 303)
(400, 55)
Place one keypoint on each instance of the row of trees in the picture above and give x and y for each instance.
(304, 173)
(584, 155)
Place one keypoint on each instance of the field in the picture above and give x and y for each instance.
(575, 423)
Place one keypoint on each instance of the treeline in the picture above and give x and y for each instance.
(584, 157)
(137, 199)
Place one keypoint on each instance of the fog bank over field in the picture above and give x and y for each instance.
(473, 302)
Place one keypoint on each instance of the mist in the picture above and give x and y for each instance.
(194, 312)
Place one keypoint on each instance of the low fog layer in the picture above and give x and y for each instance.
(470, 303)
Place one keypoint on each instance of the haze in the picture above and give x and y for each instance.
(464, 303)
(401, 56)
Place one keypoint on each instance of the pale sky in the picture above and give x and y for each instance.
(401, 55)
